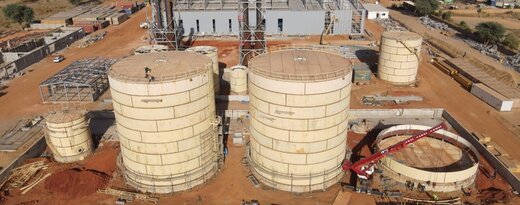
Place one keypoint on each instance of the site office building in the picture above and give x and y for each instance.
(282, 17)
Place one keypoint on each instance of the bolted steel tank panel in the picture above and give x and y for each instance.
(299, 105)
(399, 57)
(165, 119)
(238, 80)
(68, 136)
(212, 53)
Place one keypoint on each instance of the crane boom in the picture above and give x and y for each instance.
(358, 166)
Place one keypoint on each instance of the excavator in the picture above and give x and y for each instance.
(365, 167)
(328, 28)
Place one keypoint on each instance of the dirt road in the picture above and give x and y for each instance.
(23, 98)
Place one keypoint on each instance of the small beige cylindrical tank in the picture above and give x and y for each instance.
(212, 53)
(238, 80)
(399, 57)
(165, 120)
(68, 136)
(299, 105)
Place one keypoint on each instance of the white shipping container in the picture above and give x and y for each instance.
(491, 97)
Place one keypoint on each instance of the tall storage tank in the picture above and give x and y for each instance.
(399, 57)
(68, 136)
(211, 52)
(166, 120)
(238, 79)
(299, 105)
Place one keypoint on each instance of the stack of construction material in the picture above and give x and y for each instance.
(97, 13)
(129, 7)
(491, 97)
(117, 18)
(92, 26)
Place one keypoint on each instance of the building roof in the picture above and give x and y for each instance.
(375, 8)
(300, 65)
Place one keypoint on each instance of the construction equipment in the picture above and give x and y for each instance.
(365, 167)
(329, 21)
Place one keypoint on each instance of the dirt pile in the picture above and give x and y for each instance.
(75, 183)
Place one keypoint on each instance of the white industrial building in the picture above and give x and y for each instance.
(376, 11)
(282, 17)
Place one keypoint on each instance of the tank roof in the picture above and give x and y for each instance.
(64, 116)
(300, 65)
(202, 49)
(164, 66)
(401, 35)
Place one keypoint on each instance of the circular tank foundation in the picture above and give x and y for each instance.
(442, 161)
(68, 136)
(212, 53)
(165, 120)
(299, 105)
(238, 80)
(399, 57)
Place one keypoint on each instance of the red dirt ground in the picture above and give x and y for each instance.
(72, 184)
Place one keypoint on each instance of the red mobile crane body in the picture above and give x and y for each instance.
(361, 170)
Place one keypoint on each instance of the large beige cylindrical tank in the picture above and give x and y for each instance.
(399, 57)
(299, 105)
(166, 122)
(68, 136)
(212, 53)
(238, 80)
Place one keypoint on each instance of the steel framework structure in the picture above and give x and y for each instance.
(82, 81)
(162, 25)
(251, 38)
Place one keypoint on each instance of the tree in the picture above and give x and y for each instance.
(511, 41)
(75, 2)
(490, 32)
(19, 13)
(426, 7)
(446, 16)
(464, 25)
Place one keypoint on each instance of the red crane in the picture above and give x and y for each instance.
(363, 170)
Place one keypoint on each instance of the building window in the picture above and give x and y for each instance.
(230, 26)
(197, 25)
(180, 22)
(280, 25)
(214, 26)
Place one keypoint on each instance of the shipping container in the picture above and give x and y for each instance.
(491, 97)
(361, 73)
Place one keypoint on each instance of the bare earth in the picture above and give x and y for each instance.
(230, 186)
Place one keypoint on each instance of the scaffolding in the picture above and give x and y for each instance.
(358, 18)
(82, 81)
(162, 25)
(251, 38)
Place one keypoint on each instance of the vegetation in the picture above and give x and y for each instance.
(490, 32)
(511, 41)
(446, 16)
(426, 7)
(19, 13)
(463, 25)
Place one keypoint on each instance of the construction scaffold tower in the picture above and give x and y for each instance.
(251, 37)
(358, 18)
(162, 26)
